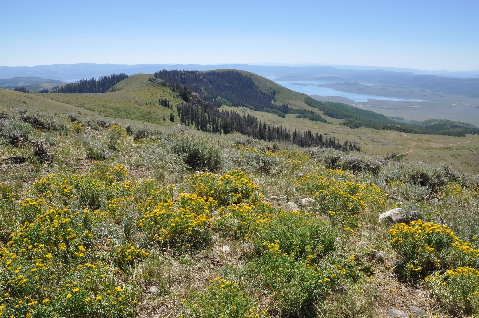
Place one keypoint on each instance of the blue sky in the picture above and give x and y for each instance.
(420, 34)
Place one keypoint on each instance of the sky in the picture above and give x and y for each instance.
(418, 34)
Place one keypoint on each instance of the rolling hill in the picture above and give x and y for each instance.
(29, 83)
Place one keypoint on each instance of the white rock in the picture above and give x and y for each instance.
(153, 290)
(393, 312)
(293, 206)
(306, 201)
(398, 215)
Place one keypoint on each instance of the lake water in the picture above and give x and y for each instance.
(316, 88)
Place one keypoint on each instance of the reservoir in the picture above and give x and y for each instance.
(316, 88)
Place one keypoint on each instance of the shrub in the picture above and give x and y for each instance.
(356, 164)
(418, 175)
(465, 220)
(295, 285)
(43, 289)
(96, 149)
(126, 256)
(183, 223)
(300, 235)
(427, 247)
(51, 264)
(457, 289)
(198, 154)
(234, 187)
(342, 200)
(242, 220)
(115, 134)
(15, 131)
(252, 159)
(42, 121)
(77, 127)
(223, 298)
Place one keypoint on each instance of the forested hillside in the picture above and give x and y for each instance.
(101, 85)
(232, 88)
(205, 115)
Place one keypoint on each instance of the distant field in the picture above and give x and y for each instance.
(460, 152)
(436, 105)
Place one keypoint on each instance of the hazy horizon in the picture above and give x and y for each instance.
(339, 66)
(421, 35)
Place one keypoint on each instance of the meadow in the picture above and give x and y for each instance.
(107, 211)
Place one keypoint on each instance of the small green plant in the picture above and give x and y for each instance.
(457, 289)
(223, 298)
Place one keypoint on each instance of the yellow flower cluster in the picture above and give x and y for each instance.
(459, 288)
(184, 221)
(242, 220)
(234, 187)
(51, 265)
(427, 246)
(337, 195)
(128, 255)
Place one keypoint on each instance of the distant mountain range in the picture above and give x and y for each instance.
(444, 95)
(457, 83)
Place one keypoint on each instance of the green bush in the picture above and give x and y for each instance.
(96, 149)
(295, 285)
(457, 289)
(427, 247)
(302, 236)
(223, 298)
(198, 154)
(16, 131)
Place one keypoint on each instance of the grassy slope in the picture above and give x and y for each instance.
(460, 152)
(134, 98)
(11, 100)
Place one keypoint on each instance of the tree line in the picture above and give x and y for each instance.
(206, 117)
(101, 85)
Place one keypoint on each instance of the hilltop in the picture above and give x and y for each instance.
(154, 196)
(29, 83)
